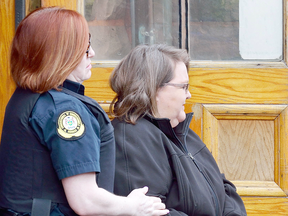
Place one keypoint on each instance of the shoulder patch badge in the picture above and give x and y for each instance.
(70, 125)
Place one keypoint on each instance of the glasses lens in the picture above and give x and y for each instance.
(89, 44)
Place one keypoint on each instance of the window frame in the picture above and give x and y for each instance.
(184, 43)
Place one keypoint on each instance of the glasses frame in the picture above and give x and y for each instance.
(89, 45)
(184, 86)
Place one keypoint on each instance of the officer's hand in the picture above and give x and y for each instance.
(146, 205)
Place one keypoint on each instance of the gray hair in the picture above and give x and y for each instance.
(138, 77)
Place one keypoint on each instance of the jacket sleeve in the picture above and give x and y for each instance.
(234, 205)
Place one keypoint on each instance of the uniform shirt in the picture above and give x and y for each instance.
(69, 130)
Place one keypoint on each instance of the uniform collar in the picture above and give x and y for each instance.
(74, 86)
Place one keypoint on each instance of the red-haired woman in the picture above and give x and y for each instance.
(57, 145)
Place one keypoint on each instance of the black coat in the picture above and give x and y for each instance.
(176, 166)
(26, 169)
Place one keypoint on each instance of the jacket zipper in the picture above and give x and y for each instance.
(208, 181)
(185, 150)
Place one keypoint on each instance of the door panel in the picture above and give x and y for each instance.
(260, 144)
(251, 141)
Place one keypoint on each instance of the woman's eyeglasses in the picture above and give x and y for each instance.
(184, 86)
(89, 45)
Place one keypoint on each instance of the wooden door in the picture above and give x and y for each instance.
(243, 115)
(240, 112)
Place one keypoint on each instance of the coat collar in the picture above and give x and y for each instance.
(74, 86)
(175, 134)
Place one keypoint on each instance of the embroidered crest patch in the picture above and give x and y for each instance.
(70, 125)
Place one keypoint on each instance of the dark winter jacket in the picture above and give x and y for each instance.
(176, 166)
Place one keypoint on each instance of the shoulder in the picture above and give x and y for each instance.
(56, 110)
(60, 117)
(142, 127)
(199, 150)
(62, 99)
(194, 143)
(54, 102)
(143, 136)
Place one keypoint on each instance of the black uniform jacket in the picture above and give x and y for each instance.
(176, 166)
(26, 170)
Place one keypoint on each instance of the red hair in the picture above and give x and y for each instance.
(48, 45)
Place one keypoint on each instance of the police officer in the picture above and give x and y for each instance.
(57, 146)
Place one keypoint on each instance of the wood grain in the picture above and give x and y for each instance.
(236, 64)
(210, 132)
(97, 87)
(259, 188)
(7, 25)
(285, 30)
(246, 149)
(196, 124)
(68, 4)
(283, 153)
(236, 85)
(260, 206)
(261, 86)
(244, 109)
(267, 139)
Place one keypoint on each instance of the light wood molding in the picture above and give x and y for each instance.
(259, 188)
(238, 112)
(238, 85)
(244, 109)
(237, 64)
(68, 4)
(266, 206)
(281, 140)
(212, 113)
(209, 64)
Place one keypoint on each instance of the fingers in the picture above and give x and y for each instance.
(139, 192)
(147, 205)
(156, 199)
(155, 208)
(159, 207)
(161, 212)
(144, 189)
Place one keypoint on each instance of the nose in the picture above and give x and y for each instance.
(188, 94)
(91, 52)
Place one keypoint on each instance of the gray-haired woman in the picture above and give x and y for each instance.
(154, 144)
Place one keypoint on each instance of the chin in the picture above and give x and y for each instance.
(182, 117)
(88, 75)
(176, 121)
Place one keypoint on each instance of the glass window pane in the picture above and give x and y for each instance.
(220, 29)
(260, 31)
(117, 26)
